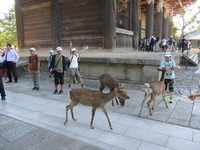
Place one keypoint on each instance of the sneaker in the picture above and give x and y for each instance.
(69, 85)
(82, 85)
(60, 92)
(55, 92)
(3, 98)
(171, 100)
(164, 98)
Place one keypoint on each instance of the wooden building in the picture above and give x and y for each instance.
(100, 24)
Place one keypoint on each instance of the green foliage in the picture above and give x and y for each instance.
(187, 20)
(174, 30)
(8, 32)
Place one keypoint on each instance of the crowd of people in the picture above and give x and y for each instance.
(57, 65)
(170, 44)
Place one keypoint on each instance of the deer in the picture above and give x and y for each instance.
(106, 80)
(95, 99)
(154, 89)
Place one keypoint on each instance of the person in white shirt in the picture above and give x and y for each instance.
(73, 57)
(11, 58)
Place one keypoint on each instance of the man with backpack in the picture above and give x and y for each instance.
(152, 43)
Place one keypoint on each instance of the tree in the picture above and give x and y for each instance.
(188, 20)
(8, 32)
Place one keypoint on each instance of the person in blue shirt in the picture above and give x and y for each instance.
(170, 65)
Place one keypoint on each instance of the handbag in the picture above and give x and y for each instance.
(52, 71)
(69, 61)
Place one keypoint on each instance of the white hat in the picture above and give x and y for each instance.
(32, 49)
(59, 49)
(51, 51)
(168, 54)
(74, 49)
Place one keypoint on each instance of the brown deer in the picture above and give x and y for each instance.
(106, 80)
(154, 89)
(95, 99)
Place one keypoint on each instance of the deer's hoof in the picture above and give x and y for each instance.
(65, 122)
(92, 127)
(74, 119)
(111, 128)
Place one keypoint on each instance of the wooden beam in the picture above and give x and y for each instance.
(180, 3)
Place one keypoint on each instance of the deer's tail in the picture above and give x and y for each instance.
(148, 89)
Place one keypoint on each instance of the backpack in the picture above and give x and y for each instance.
(152, 40)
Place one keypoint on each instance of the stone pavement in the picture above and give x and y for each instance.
(34, 120)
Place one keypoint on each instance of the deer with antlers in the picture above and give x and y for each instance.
(95, 99)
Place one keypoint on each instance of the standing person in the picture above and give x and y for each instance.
(164, 44)
(4, 68)
(34, 68)
(73, 57)
(11, 58)
(58, 64)
(183, 44)
(152, 43)
(170, 43)
(2, 90)
(170, 65)
(49, 60)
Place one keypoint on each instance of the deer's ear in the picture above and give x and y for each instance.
(122, 85)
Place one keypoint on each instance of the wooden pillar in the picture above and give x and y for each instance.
(109, 29)
(149, 18)
(55, 19)
(170, 24)
(135, 23)
(19, 24)
(158, 20)
(166, 23)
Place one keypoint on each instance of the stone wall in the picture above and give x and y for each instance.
(136, 70)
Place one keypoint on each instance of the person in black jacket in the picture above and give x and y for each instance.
(2, 90)
(58, 66)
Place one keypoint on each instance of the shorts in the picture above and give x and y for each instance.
(73, 71)
(169, 82)
(59, 78)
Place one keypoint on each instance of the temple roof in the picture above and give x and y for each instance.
(173, 5)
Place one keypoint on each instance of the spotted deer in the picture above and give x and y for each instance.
(154, 89)
(95, 99)
(106, 80)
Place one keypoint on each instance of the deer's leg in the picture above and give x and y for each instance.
(93, 113)
(146, 95)
(72, 113)
(122, 101)
(112, 103)
(105, 112)
(163, 94)
(66, 118)
(148, 104)
(154, 100)
(116, 101)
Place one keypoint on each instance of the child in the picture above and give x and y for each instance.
(170, 65)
